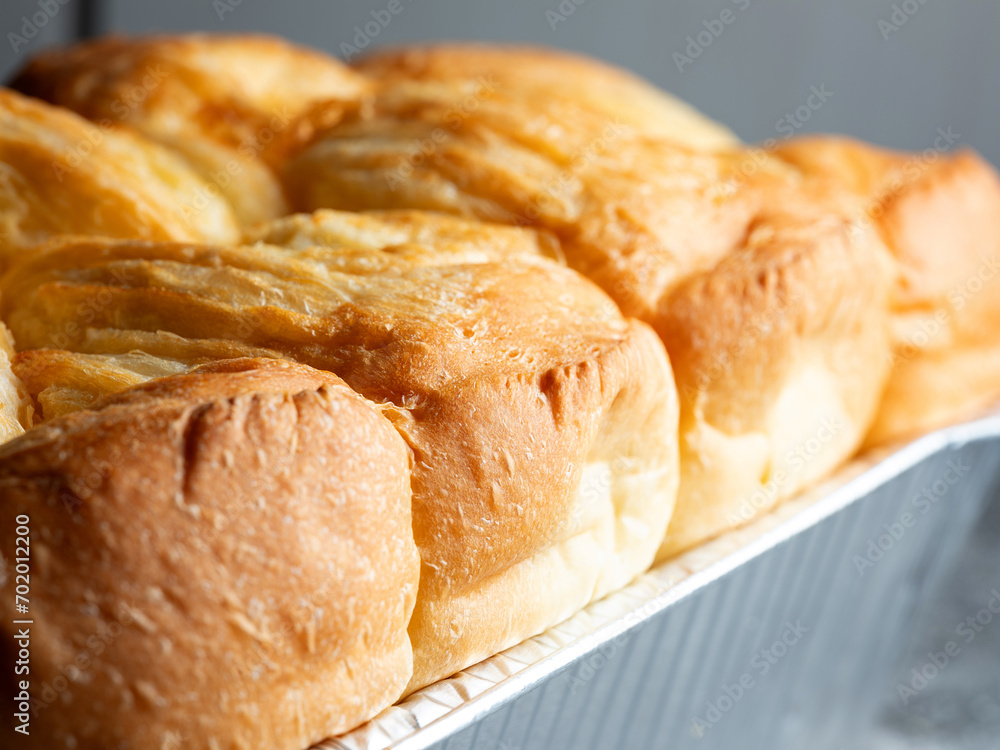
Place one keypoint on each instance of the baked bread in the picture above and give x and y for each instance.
(939, 214)
(225, 103)
(224, 559)
(558, 86)
(60, 174)
(58, 381)
(728, 264)
(427, 238)
(543, 430)
(634, 214)
(466, 440)
(780, 355)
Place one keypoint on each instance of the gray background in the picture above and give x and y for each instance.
(938, 70)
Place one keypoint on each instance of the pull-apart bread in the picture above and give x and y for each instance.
(536, 325)
(773, 312)
(939, 214)
(542, 423)
(223, 559)
(226, 104)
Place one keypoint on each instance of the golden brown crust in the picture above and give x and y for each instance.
(226, 103)
(939, 214)
(64, 175)
(780, 358)
(58, 381)
(510, 560)
(541, 425)
(635, 215)
(557, 85)
(238, 539)
(497, 390)
(429, 237)
(61, 382)
(688, 240)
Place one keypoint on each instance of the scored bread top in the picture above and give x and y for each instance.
(638, 198)
(448, 318)
(61, 381)
(637, 216)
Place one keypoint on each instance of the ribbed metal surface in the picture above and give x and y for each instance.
(684, 666)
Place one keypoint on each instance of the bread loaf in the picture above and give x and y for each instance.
(780, 355)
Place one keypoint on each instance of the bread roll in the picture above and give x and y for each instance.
(558, 86)
(780, 358)
(630, 212)
(60, 174)
(543, 428)
(220, 559)
(939, 214)
(751, 280)
(225, 103)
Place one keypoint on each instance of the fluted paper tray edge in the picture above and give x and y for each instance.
(440, 710)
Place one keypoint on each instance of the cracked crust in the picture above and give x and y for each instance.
(238, 537)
